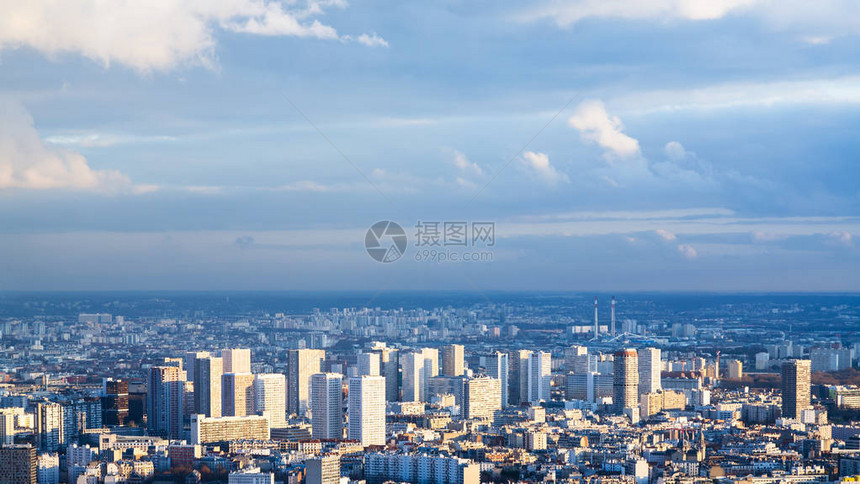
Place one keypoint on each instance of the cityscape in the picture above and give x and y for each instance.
(478, 388)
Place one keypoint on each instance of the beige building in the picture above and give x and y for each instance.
(206, 430)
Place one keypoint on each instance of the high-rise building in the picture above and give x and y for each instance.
(301, 364)
(164, 400)
(431, 364)
(327, 405)
(191, 361)
(414, 377)
(324, 469)
(114, 401)
(650, 370)
(518, 382)
(497, 367)
(735, 369)
(208, 371)
(7, 428)
(539, 375)
(237, 394)
(576, 359)
(50, 434)
(367, 410)
(206, 430)
(796, 387)
(453, 360)
(18, 464)
(389, 363)
(236, 360)
(270, 397)
(368, 364)
(625, 380)
(481, 398)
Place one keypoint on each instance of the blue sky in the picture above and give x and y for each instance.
(249, 144)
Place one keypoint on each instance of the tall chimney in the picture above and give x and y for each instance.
(596, 327)
(612, 323)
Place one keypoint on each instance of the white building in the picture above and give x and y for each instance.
(539, 377)
(251, 476)
(327, 405)
(367, 410)
(414, 381)
(650, 368)
(270, 397)
(48, 469)
(368, 364)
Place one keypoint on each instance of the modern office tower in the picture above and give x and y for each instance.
(327, 405)
(301, 364)
(324, 469)
(207, 385)
(590, 386)
(270, 397)
(237, 360)
(795, 387)
(414, 379)
(368, 364)
(497, 367)
(539, 376)
(625, 380)
(481, 398)
(206, 430)
(367, 410)
(431, 365)
(237, 394)
(453, 360)
(190, 362)
(7, 428)
(735, 369)
(164, 400)
(518, 383)
(650, 370)
(18, 464)
(50, 434)
(389, 363)
(114, 401)
(446, 385)
(576, 359)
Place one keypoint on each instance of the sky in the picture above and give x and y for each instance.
(630, 145)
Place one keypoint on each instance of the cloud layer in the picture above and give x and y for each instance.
(150, 36)
(26, 162)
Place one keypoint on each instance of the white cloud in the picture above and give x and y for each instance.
(675, 151)
(833, 91)
(666, 235)
(843, 238)
(538, 165)
(596, 125)
(372, 40)
(687, 251)
(147, 35)
(465, 166)
(569, 12)
(27, 163)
